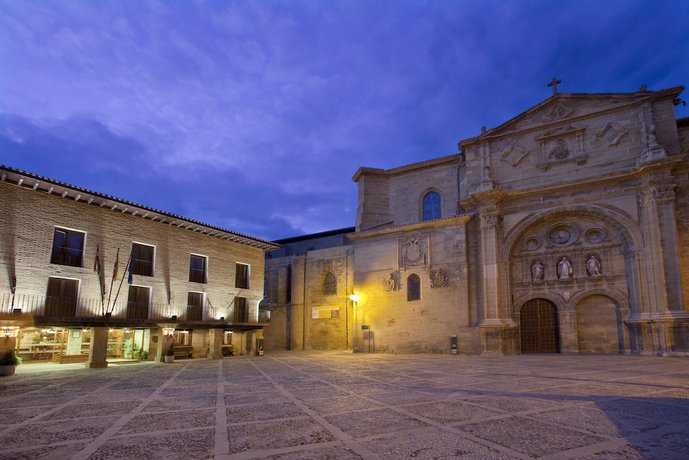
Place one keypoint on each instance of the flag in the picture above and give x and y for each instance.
(115, 269)
(130, 277)
(98, 268)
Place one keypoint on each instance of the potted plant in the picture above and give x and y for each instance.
(170, 354)
(8, 362)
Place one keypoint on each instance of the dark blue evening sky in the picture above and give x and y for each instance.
(254, 115)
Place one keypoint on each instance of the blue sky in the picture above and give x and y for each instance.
(255, 115)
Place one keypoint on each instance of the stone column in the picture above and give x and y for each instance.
(238, 339)
(497, 327)
(98, 350)
(199, 344)
(215, 336)
(164, 342)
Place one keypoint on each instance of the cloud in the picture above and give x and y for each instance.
(255, 115)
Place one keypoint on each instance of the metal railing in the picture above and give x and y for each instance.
(57, 307)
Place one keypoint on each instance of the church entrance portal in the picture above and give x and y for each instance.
(539, 327)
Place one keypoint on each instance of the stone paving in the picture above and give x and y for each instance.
(337, 405)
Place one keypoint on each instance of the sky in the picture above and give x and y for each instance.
(254, 115)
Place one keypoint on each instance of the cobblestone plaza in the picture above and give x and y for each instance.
(346, 406)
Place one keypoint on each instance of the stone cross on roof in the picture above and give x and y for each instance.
(554, 82)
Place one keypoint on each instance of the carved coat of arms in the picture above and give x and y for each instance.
(413, 251)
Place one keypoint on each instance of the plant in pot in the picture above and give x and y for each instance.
(8, 362)
(170, 354)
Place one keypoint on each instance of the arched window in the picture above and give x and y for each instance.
(413, 288)
(431, 206)
(329, 284)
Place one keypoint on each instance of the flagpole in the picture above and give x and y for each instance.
(121, 280)
(98, 268)
(114, 274)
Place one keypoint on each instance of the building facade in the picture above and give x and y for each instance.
(89, 277)
(308, 282)
(565, 229)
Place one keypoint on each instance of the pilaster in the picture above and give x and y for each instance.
(659, 229)
(569, 342)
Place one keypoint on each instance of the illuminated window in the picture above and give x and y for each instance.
(61, 297)
(431, 206)
(142, 259)
(241, 279)
(68, 247)
(197, 268)
(329, 284)
(413, 288)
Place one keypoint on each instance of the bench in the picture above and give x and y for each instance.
(183, 351)
(69, 359)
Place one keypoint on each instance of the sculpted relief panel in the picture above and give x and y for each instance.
(413, 251)
(566, 251)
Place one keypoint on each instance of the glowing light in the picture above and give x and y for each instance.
(11, 331)
(168, 330)
(354, 297)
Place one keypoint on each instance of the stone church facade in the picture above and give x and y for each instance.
(565, 229)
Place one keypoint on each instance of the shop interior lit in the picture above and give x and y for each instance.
(70, 345)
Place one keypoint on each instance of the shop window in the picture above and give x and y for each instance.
(241, 280)
(142, 259)
(182, 337)
(68, 247)
(413, 288)
(329, 284)
(61, 297)
(431, 206)
(197, 268)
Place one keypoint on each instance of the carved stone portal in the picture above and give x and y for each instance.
(413, 251)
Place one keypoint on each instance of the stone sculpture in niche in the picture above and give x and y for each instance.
(537, 271)
(593, 266)
(413, 251)
(392, 282)
(564, 269)
(439, 278)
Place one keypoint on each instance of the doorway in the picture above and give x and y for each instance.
(539, 327)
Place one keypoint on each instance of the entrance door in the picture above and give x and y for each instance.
(539, 328)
